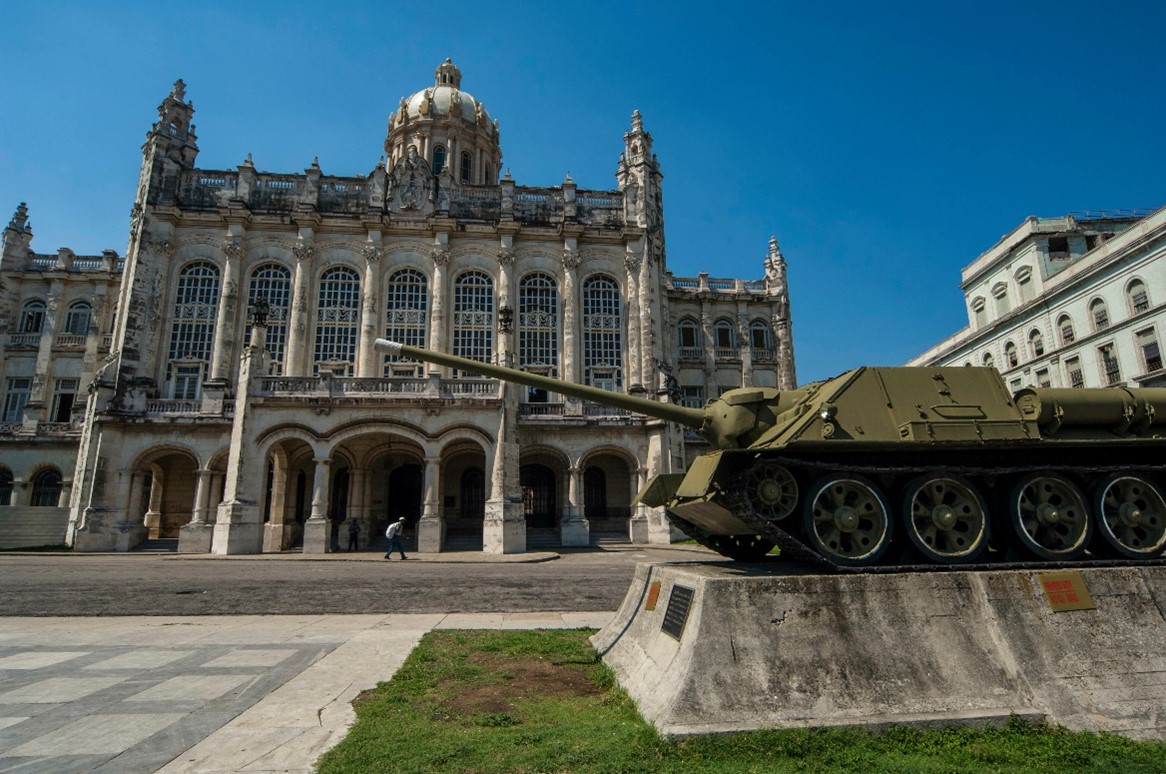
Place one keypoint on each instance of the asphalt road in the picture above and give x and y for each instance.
(156, 584)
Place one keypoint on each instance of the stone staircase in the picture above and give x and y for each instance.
(157, 546)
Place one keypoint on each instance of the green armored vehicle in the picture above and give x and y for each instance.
(902, 465)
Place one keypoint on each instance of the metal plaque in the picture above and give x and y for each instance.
(1066, 591)
(679, 602)
(653, 596)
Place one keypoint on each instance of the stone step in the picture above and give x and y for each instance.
(158, 545)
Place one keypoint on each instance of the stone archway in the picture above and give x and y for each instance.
(166, 498)
(609, 486)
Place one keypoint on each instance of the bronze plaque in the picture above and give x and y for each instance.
(679, 602)
(653, 596)
(1066, 591)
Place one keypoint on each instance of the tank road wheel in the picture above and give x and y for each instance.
(770, 490)
(1131, 516)
(946, 519)
(847, 521)
(742, 548)
(1049, 516)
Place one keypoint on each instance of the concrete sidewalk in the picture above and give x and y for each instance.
(204, 694)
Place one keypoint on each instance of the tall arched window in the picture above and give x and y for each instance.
(724, 334)
(988, 360)
(5, 486)
(77, 319)
(337, 317)
(1036, 343)
(467, 166)
(1010, 355)
(272, 283)
(46, 488)
(1099, 313)
(689, 332)
(760, 336)
(406, 312)
(1065, 329)
(979, 312)
(538, 323)
(473, 316)
(192, 333)
(438, 159)
(32, 317)
(602, 333)
(1139, 299)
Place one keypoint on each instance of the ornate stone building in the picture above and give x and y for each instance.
(219, 385)
(1075, 301)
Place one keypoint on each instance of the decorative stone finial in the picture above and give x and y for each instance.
(775, 249)
(448, 74)
(19, 220)
(315, 162)
(247, 162)
(637, 121)
(179, 90)
(568, 180)
(507, 176)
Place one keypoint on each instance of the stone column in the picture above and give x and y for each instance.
(274, 535)
(438, 324)
(633, 378)
(296, 359)
(370, 307)
(575, 529)
(196, 536)
(647, 324)
(357, 508)
(134, 509)
(638, 531)
(67, 493)
(710, 349)
(431, 529)
(126, 535)
(570, 354)
(153, 518)
(224, 347)
(317, 531)
(35, 409)
(660, 438)
(745, 347)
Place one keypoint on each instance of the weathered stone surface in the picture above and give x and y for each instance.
(762, 650)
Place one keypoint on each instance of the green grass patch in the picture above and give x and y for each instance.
(473, 702)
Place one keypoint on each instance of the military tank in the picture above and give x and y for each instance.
(884, 466)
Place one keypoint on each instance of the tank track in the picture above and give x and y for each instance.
(792, 548)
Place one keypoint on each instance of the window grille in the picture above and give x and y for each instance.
(32, 317)
(272, 283)
(16, 398)
(1067, 334)
(473, 491)
(692, 396)
(1073, 370)
(1042, 378)
(1139, 299)
(1109, 364)
(538, 322)
(77, 320)
(473, 316)
(46, 489)
(1100, 315)
(406, 312)
(602, 333)
(196, 307)
(1151, 353)
(689, 333)
(337, 316)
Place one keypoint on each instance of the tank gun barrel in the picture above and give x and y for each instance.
(689, 417)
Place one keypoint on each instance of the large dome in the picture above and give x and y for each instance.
(445, 99)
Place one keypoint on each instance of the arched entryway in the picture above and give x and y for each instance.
(608, 488)
(166, 499)
(539, 501)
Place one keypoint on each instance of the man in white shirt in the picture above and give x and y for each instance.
(393, 533)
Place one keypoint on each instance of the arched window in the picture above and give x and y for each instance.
(988, 360)
(46, 488)
(337, 318)
(760, 336)
(602, 333)
(438, 159)
(724, 334)
(5, 486)
(467, 166)
(272, 283)
(1024, 284)
(979, 311)
(538, 323)
(1000, 293)
(1036, 343)
(689, 332)
(473, 316)
(32, 317)
(1065, 329)
(473, 489)
(1099, 313)
(77, 319)
(594, 493)
(406, 312)
(1010, 355)
(1139, 299)
(192, 334)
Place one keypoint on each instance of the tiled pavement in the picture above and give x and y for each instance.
(202, 694)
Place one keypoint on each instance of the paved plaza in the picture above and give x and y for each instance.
(203, 693)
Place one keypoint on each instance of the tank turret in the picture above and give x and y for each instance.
(907, 466)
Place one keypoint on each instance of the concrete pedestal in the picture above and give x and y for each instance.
(638, 528)
(237, 530)
(504, 528)
(764, 648)
(195, 538)
(430, 535)
(660, 529)
(575, 532)
(317, 536)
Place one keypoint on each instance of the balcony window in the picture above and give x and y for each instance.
(337, 319)
(64, 396)
(32, 318)
(15, 399)
(760, 335)
(689, 333)
(1139, 299)
(77, 320)
(602, 333)
(473, 316)
(723, 331)
(1151, 354)
(1099, 313)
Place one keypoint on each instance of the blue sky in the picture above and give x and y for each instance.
(885, 145)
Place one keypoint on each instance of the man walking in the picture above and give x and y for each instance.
(353, 534)
(393, 533)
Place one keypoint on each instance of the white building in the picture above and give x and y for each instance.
(1076, 301)
(140, 402)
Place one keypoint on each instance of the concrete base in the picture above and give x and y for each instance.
(575, 532)
(660, 529)
(237, 530)
(638, 528)
(763, 649)
(504, 528)
(317, 536)
(195, 538)
(273, 538)
(430, 535)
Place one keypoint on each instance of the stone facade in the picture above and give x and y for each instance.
(1075, 301)
(229, 393)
